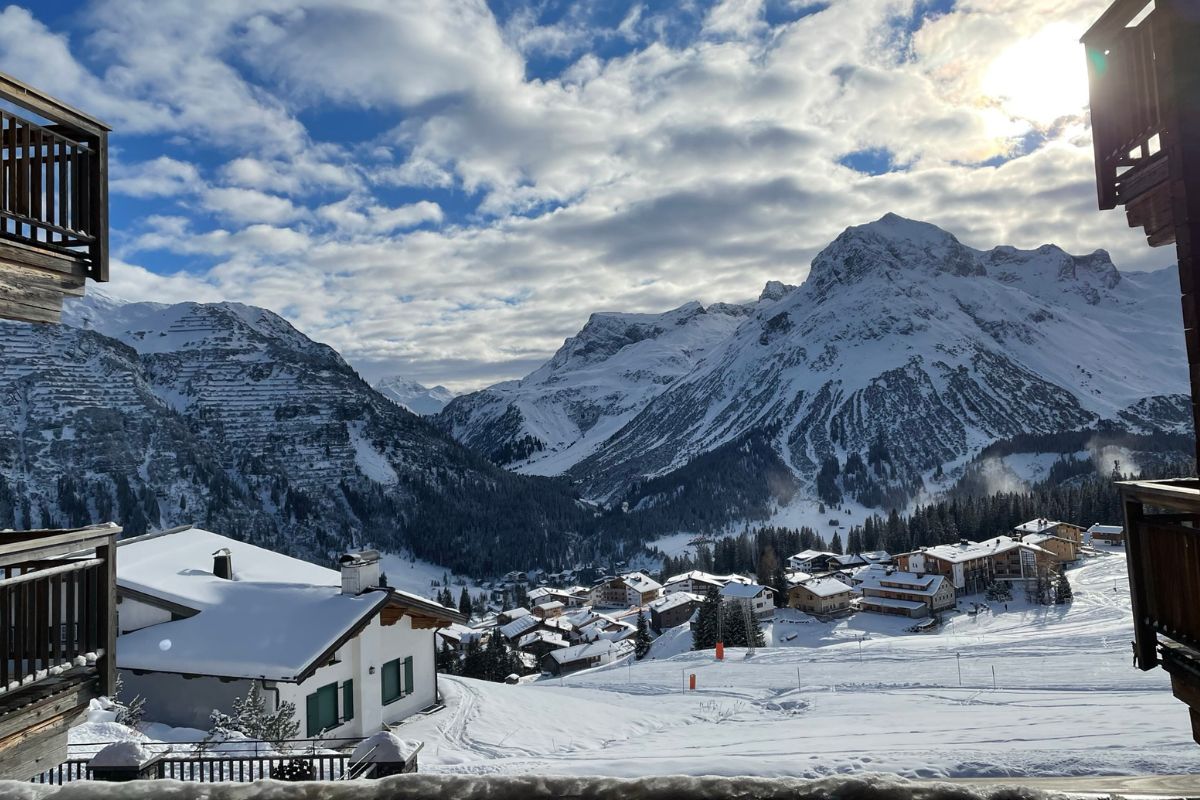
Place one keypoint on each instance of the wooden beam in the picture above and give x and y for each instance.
(49, 107)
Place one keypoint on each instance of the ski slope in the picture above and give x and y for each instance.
(1066, 701)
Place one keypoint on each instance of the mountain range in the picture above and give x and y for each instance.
(225, 415)
(902, 347)
(417, 398)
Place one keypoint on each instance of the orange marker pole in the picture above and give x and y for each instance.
(692, 681)
(720, 651)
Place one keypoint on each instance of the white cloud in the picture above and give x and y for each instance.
(669, 173)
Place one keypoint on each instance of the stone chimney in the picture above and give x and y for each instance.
(223, 564)
(360, 571)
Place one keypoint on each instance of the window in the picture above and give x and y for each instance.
(347, 701)
(390, 681)
(397, 679)
(323, 709)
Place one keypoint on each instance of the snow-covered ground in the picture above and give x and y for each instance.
(1066, 701)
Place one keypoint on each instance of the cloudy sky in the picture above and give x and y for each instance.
(445, 189)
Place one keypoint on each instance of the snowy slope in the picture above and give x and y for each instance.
(900, 333)
(595, 384)
(1066, 702)
(418, 399)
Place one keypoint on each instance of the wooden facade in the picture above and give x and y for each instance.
(53, 202)
(58, 648)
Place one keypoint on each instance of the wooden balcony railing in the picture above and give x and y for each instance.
(1162, 528)
(54, 618)
(54, 178)
(57, 639)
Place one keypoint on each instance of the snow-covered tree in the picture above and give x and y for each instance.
(641, 638)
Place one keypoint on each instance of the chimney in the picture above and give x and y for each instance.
(360, 571)
(223, 564)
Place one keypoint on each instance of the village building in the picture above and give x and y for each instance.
(549, 610)
(821, 596)
(760, 599)
(539, 643)
(581, 656)
(1065, 550)
(203, 617)
(1108, 534)
(519, 627)
(507, 616)
(634, 589)
(673, 609)
(1050, 527)
(458, 637)
(813, 561)
(973, 566)
(887, 591)
(701, 583)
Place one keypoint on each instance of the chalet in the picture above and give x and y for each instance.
(812, 561)
(701, 583)
(887, 591)
(539, 643)
(821, 596)
(547, 594)
(519, 627)
(760, 599)
(1065, 550)
(581, 656)
(51, 671)
(549, 610)
(605, 627)
(634, 589)
(1049, 527)
(202, 617)
(673, 609)
(458, 637)
(507, 616)
(53, 203)
(1109, 534)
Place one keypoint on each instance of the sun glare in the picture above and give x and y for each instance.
(1041, 78)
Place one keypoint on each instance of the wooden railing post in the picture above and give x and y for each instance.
(1145, 640)
(106, 601)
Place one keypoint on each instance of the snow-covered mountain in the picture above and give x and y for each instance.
(226, 415)
(902, 346)
(417, 398)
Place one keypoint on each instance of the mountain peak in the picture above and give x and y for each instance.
(414, 396)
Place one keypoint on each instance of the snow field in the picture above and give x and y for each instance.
(1066, 701)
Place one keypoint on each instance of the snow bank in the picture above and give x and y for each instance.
(530, 787)
(384, 746)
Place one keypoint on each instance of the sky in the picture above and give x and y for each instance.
(446, 189)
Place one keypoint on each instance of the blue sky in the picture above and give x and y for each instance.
(445, 189)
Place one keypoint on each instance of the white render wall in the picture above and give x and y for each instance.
(133, 615)
(187, 702)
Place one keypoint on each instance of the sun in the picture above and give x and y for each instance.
(1040, 79)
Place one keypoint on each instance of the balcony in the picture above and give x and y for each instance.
(57, 644)
(53, 203)
(1162, 524)
(1140, 54)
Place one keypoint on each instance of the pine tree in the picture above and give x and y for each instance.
(464, 603)
(1062, 587)
(835, 544)
(705, 629)
(641, 639)
(447, 660)
(250, 718)
(733, 624)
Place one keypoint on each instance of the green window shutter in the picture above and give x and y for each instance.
(348, 701)
(390, 681)
(327, 706)
(408, 675)
(313, 723)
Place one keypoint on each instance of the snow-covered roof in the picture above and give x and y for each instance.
(515, 613)
(744, 590)
(1111, 530)
(273, 620)
(458, 632)
(825, 587)
(807, 555)
(600, 647)
(907, 582)
(799, 577)
(641, 582)
(1040, 525)
(177, 567)
(548, 637)
(876, 555)
(551, 606)
(519, 626)
(969, 551)
(888, 602)
(674, 600)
